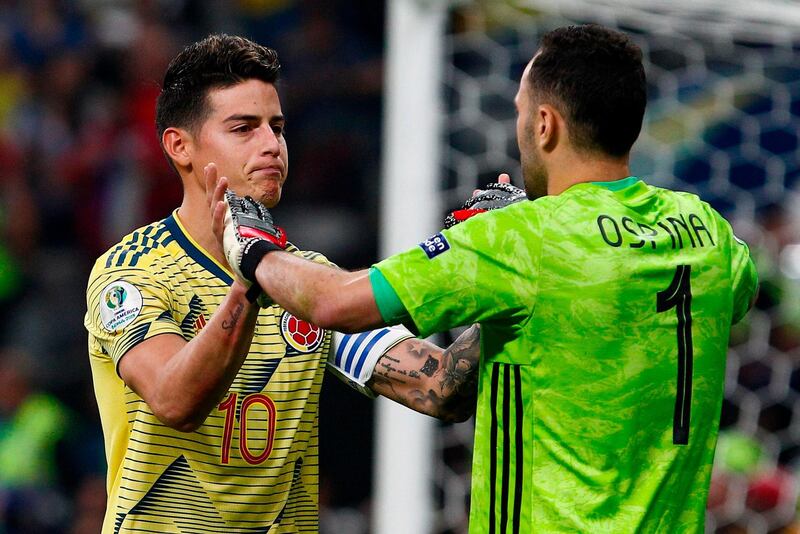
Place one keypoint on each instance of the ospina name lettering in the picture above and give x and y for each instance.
(677, 232)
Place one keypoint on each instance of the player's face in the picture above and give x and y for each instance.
(534, 172)
(243, 135)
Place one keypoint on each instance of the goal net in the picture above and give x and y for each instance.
(722, 121)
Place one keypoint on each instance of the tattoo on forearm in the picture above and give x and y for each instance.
(235, 315)
(430, 367)
(380, 379)
(389, 371)
(417, 348)
(419, 399)
(461, 360)
(459, 382)
(450, 390)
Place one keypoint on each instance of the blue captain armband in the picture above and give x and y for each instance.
(353, 357)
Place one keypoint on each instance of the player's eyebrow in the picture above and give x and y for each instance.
(249, 118)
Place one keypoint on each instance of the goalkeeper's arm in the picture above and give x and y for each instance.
(438, 382)
(322, 295)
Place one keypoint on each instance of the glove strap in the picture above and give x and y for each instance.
(253, 292)
(279, 237)
(252, 253)
(463, 215)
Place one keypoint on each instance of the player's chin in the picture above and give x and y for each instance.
(271, 196)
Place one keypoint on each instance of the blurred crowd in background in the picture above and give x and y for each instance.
(80, 167)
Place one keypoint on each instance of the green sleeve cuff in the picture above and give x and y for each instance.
(389, 304)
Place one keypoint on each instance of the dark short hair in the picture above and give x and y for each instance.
(595, 77)
(218, 61)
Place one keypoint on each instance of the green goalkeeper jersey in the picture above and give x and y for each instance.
(605, 314)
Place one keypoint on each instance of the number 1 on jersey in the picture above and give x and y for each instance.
(679, 296)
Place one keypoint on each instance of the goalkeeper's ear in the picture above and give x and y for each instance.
(177, 146)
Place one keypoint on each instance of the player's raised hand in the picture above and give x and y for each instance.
(244, 228)
(504, 178)
(494, 196)
(215, 196)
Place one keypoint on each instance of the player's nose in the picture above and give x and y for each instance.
(270, 144)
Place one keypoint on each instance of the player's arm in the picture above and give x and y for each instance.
(744, 276)
(325, 296)
(418, 374)
(182, 381)
(745, 281)
(442, 383)
(322, 295)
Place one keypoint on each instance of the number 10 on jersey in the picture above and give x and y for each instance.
(229, 407)
(679, 296)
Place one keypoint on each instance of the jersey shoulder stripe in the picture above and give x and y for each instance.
(138, 243)
(191, 249)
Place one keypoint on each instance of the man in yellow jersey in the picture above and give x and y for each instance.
(605, 307)
(208, 400)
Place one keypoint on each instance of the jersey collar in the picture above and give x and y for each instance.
(617, 185)
(194, 250)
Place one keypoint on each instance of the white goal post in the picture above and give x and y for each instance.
(410, 211)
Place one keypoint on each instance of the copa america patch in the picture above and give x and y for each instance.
(120, 304)
(435, 245)
(299, 334)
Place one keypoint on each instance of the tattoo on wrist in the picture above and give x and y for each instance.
(235, 315)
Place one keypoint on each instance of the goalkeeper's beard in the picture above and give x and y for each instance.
(534, 175)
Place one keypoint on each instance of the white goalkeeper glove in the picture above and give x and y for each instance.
(249, 234)
(494, 196)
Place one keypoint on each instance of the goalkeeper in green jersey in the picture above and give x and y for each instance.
(605, 307)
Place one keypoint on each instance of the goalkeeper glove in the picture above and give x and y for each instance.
(494, 196)
(249, 234)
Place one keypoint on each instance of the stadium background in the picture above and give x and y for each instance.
(80, 166)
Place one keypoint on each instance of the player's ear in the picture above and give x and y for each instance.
(548, 127)
(177, 145)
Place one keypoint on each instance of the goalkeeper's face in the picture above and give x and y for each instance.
(243, 135)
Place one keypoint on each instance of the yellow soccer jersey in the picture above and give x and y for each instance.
(253, 464)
